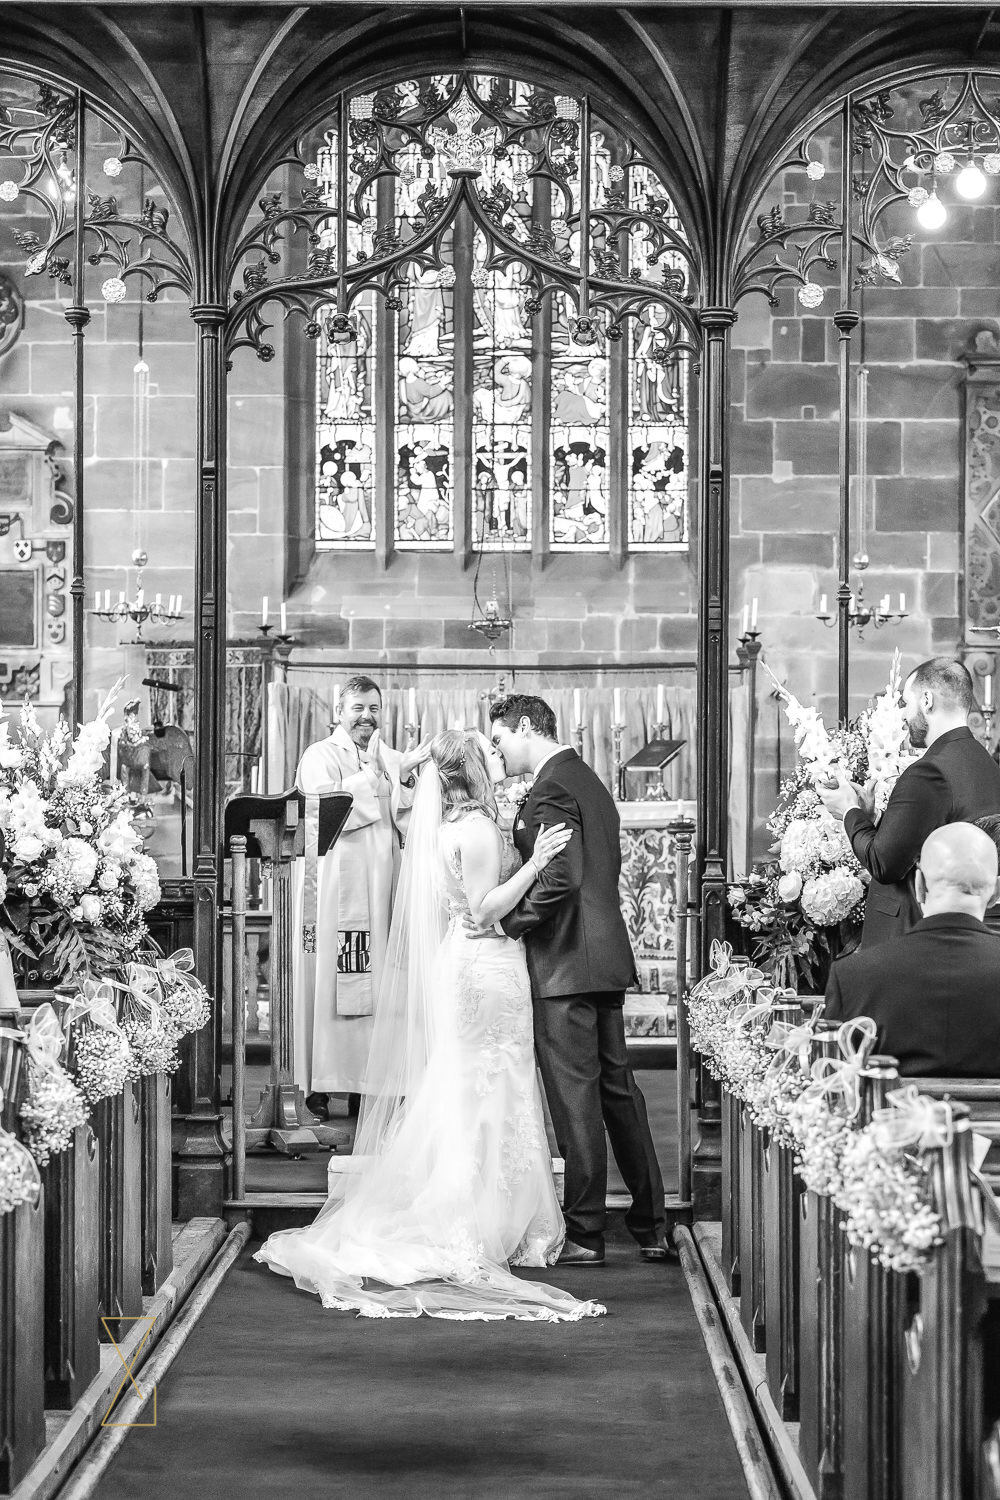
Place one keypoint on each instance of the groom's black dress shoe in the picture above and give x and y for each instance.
(661, 1250)
(317, 1104)
(578, 1255)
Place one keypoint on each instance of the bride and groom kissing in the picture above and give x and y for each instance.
(497, 954)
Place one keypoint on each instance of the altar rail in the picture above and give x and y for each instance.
(97, 1241)
(893, 1379)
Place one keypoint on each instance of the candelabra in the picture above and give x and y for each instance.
(860, 614)
(139, 610)
(617, 736)
(747, 653)
(282, 638)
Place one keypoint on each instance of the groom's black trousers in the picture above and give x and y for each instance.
(580, 1044)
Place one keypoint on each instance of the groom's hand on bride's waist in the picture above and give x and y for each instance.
(473, 929)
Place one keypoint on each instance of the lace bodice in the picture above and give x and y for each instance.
(510, 860)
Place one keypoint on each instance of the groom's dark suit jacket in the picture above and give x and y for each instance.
(956, 780)
(571, 920)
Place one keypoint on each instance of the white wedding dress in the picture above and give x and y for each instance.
(459, 1186)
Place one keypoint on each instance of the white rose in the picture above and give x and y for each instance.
(790, 886)
(90, 906)
(27, 847)
(109, 878)
(30, 890)
(76, 912)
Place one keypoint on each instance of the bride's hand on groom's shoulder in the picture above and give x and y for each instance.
(548, 843)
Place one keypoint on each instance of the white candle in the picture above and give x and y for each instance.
(180, 598)
(753, 614)
(411, 707)
(884, 605)
(263, 610)
(661, 704)
(577, 708)
(158, 600)
(97, 599)
(107, 598)
(617, 699)
(822, 604)
(121, 597)
(745, 622)
(170, 604)
(902, 604)
(988, 685)
(284, 621)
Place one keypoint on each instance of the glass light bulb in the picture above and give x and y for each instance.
(970, 182)
(932, 214)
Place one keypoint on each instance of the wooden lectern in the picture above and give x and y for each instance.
(274, 828)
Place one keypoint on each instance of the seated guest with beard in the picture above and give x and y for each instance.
(934, 993)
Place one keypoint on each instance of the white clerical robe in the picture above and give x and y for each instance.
(332, 1004)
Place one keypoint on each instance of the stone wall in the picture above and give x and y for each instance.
(785, 506)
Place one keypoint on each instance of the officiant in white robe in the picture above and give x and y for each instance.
(334, 988)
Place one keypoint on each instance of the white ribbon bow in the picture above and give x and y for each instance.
(912, 1119)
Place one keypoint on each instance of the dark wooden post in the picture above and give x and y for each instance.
(116, 1123)
(941, 1387)
(22, 1318)
(730, 1191)
(868, 1414)
(846, 319)
(751, 1228)
(781, 1192)
(820, 1360)
(200, 1151)
(681, 832)
(157, 1244)
(72, 1259)
(713, 714)
(78, 316)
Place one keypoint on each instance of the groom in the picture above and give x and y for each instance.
(580, 962)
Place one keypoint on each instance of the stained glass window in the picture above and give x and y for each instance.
(504, 360)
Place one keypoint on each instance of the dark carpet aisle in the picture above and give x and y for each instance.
(273, 1396)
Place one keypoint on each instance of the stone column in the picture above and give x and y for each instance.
(713, 714)
(199, 1150)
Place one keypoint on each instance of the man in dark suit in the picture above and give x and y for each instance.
(580, 962)
(955, 780)
(934, 993)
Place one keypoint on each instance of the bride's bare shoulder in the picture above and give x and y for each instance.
(471, 828)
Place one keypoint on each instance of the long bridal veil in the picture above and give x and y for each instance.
(420, 1219)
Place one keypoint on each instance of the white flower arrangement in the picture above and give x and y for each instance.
(103, 1061)
(75, 879)
(19, 1180)
(882, 1190)
(800, 905)
(52, 1111)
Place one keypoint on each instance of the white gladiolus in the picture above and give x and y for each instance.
(119, 840)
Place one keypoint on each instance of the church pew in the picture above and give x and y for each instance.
(938, 1331)
(868, 1413)
(116, 1125)
(22, 1313)
(820, 1352)
(750, 1238)
(156, 1238)
(782, 1190)
(72, 1262)
(731, 1111)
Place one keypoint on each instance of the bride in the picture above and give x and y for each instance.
(450, 1182)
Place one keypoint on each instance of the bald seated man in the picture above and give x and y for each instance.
(934, 993)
